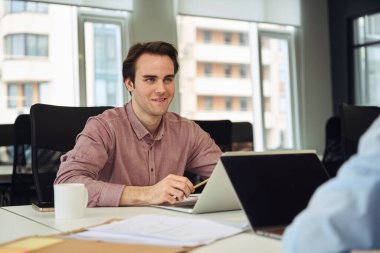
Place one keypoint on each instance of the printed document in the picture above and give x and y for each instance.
(160, 230)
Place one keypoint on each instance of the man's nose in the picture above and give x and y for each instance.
(160, 87)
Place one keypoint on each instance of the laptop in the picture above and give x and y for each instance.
(273, 187)
(217, 195)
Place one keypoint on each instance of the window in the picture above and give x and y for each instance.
(23, 6)
(28, 94)
(76, 62)
(243, 39)
(228, 103)
(274, 61)
(208, 103)
(12, 95)
(104, 44)
(25, 94)
(243, 103)
(207, 69)
(243, 70)
(26, 45)
(227, 70)
(227, 38)
(206, 36)
(366, 51)
(249, 81)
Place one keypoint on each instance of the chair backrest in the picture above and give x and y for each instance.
(23, 190)
(220, 131)
(355, 121)
(333, 154)
(242, 136)
(22, 144)
(54, 130)
(6, 159)
(6, 143)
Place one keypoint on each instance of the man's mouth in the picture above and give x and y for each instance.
(159, 99)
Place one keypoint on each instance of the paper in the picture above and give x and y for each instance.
(160, 230)
(29, 244)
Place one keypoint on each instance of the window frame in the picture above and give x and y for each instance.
(293, 88)
(102, 16)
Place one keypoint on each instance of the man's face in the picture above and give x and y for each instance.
(153, 89)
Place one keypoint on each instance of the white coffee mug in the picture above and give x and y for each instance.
(70, 200)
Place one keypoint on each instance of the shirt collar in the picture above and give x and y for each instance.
(139, 128)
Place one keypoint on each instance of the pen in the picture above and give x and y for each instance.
(200, 184)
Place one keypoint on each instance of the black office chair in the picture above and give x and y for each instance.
(6, 155)
(355, 121)
(23, 191)
(220, 131)
(54, 131)
(242, 136)
(333, 154)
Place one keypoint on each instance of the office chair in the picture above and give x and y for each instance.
(355, 121)
(6, 143)
(54, 131)
(6, 154)
(242, 136)
(333, 154)
(220, 131)
(23, 191)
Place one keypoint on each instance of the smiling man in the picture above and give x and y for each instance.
(137, 154)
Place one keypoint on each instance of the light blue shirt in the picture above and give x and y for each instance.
(344, 213)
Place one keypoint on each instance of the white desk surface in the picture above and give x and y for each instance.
(13, 226)
(245, 242)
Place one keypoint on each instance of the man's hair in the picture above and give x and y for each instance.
(154, 47)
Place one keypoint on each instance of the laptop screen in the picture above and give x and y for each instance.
(274, 188)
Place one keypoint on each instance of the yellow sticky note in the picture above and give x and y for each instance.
(32, 243)
(6, 250)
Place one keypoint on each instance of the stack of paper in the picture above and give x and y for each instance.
(160, 230)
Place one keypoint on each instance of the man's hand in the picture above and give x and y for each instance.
(169, 190)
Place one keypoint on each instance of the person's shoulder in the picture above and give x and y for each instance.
(175, 120)
(116, 113)
(174, 117)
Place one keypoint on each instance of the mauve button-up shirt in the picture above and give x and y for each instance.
(115, 149)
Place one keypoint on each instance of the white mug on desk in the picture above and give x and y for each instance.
(70, 200)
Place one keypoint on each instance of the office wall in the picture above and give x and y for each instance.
(155, 20)
(314, 74)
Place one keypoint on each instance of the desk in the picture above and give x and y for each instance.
(13, 226)
(44, 223)
(245, 242)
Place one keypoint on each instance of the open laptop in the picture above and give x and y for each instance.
(273, 187)
(217, 195)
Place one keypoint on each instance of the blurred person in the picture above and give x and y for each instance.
(344, 213)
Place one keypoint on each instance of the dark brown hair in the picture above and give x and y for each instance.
(154, 47)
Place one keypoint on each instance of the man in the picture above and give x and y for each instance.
(137, 154)
(344, 213)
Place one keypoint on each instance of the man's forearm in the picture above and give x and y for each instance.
(135, 195)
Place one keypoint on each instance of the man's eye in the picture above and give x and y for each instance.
(150, 80)
(168, 80)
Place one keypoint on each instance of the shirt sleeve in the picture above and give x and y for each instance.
(86, 160)
(343, 214)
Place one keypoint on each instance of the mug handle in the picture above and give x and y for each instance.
(85, 197)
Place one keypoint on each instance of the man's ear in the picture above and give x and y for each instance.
(129, 85)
